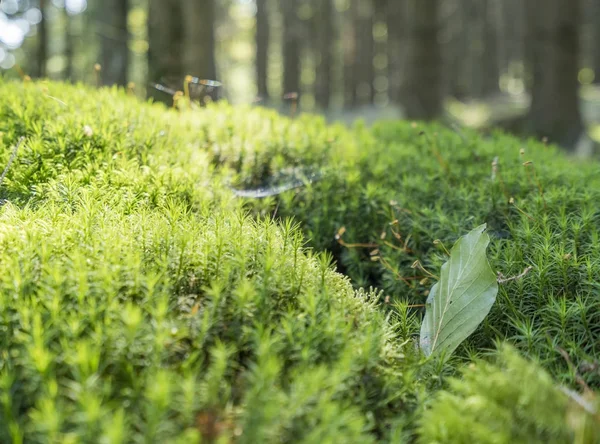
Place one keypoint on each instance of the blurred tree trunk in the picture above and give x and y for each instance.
(326, 34)
(42, 42)
(350, 39)
(496, 9)
(456, 48)
(396, 21)
(199, 38)
(359, 54)
(474, 52)
(165, 40)
(292, 34)
(529, 42)
(490, 82)
(596, 40)
(365, 51)
(424, 80)
(554, 111)
(262, 49)
(516, 32)
(114, 39)
(69, 49)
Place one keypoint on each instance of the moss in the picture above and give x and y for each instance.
(141, 299)
(416, 188)
(161, 319)
(138, 302)
(509, 400)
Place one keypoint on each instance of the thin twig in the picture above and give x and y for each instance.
(512, 202)
(359, 245)
(12, 158)
(439, 242)
(503, 279)
(419, 266)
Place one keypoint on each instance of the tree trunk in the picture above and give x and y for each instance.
(199, 38)
(292, 34)
(69, 49)
(350, 56)
(395, 20)
(456, 82)
(490, 83)
(262, 49)
(424, 83)
(475, 50)
(497, 9)
(596, 40)
(528, 9)
(42, 48)
(165, 39)
(326, 35)
(114, 39)
(365, 50)
(554, 111)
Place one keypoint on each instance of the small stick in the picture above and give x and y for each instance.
(417, 265)
(439, 242)
(338, 238)
(512, 202)
(344, 244)
(395, 247)
(503, 279)
(11, 159)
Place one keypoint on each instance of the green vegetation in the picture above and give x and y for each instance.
(138, 302)
(490, 404)
(408, 190)
(141, 299)
(145, 323)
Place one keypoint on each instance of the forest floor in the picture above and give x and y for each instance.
(499, 110)
(142, 299)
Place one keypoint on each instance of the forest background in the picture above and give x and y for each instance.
(531, 67)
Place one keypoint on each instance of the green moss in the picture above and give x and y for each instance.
(507, 401)
(141, 300)
(159, 318)
(138, 302)
(414, 185)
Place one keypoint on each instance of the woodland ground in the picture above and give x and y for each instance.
(144, 298)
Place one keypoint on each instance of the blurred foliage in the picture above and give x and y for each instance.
(508, 400)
